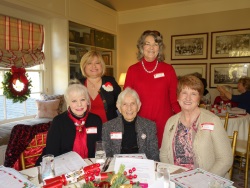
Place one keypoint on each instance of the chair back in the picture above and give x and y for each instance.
(226, 121)
(242, 151)
(32, 152)
(233, 144)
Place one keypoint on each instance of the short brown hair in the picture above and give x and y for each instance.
(191, 82)
(245, 82)
(141, 42)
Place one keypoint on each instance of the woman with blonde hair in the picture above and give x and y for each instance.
(103, 90)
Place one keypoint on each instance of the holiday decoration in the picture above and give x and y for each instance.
(94, 178)
(16, 85)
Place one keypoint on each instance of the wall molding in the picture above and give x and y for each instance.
(187, 8)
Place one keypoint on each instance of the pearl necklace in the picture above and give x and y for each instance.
(147, 70)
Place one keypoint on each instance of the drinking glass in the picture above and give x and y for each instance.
(163, 172)
(215, 184)
(48, 166)
(100, 154)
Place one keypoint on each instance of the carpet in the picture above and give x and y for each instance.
(238, 178)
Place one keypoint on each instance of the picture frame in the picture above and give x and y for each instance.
(107, 57)
(228, 73)
(189, 46)
(191, 68)
(230, 44)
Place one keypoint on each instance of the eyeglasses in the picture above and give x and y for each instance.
(152, 32)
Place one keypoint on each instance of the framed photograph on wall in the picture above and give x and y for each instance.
(107, 57)
(230, 44)
(197, 68)
(228, 73)
(189, 46)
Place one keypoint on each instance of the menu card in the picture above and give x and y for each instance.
(9, 177)
(198, 178)
(145, 170)
(68, 162)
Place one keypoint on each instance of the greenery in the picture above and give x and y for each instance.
(11, 93)
(115, 180)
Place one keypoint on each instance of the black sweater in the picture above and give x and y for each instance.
(62, 132)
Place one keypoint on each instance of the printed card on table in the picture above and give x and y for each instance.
(145, 170)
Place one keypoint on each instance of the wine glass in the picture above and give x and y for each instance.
(163, 172)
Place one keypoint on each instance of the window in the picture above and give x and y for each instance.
(12, 111)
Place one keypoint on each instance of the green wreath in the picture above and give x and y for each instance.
(10, 78)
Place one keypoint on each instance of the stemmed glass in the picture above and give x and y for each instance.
(163, 172)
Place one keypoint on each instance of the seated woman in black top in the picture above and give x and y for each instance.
(75, 129)
(130, 133)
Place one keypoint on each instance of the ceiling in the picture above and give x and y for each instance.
(124, 5)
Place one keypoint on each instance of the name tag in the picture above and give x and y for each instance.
(207, 126)
(158, 75)
(91, 130)
(116, 135)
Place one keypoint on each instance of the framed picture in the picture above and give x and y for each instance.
(199, 69)
(227, 73)
(230, 44)
(107, 57)
(190, 46)
(109, 71)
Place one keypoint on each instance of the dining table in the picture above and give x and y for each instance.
(32, 174)
(238, 122)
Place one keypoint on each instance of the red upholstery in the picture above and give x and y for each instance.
(23, 136)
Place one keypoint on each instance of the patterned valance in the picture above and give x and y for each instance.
(21, 43)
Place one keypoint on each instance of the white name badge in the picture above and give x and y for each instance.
(116, 135)
(158, 75)
(91, 130)
(207, 126)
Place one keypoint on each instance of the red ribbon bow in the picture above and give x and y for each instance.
(19, 74)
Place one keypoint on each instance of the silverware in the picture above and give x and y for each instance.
(106, 164)
(90, 160)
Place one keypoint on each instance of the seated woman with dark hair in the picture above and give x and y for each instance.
(130, 133)
(76, 129)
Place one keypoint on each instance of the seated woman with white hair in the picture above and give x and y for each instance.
(130, 133)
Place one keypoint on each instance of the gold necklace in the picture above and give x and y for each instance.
(93, 85)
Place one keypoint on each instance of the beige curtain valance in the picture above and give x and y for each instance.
(21, 43)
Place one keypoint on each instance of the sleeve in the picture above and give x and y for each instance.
(106, 138)
(54, 138)
(224, 157)
(172, 92)
(153, 146)
(129, 79)
(164, 145)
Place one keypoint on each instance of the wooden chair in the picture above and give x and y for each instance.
(233, 144)
(241, 154)
(32, 152)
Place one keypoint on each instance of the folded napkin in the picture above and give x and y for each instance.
(237, 110)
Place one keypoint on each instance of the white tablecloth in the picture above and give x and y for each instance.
(240, 124)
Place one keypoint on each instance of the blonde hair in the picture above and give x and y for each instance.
(88, 57)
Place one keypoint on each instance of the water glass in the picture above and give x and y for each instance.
(48, 167)
(215, 184)
(100, 154)
(163, 173)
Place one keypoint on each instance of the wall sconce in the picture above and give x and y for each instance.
(122, 79)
